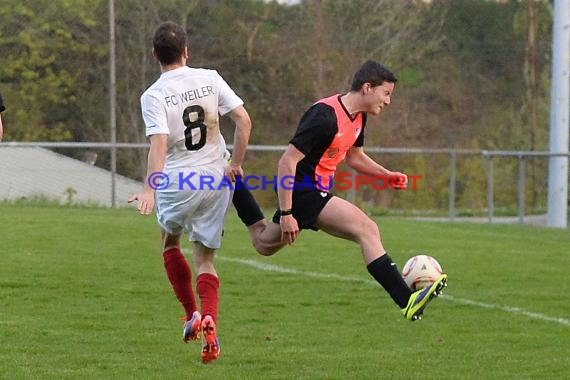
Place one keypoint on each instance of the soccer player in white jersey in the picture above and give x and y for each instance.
(187, 174)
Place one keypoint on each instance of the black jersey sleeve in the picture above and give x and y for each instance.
(360, 139)
(316, 128)
(2, 108)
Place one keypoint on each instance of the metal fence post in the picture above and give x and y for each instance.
(351, 193)
(113, 103)
(522, 184)
(452, 179)
(490, 201)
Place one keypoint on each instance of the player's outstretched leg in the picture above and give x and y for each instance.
(192, 327)
(211, 348)
(419, 299)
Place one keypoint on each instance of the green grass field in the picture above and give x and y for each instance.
(83, 295)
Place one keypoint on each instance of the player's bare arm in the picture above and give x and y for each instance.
(242, 121)
(156, 159)
(286, 169)
(357, 159)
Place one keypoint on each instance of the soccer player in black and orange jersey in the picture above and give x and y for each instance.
(330, 131)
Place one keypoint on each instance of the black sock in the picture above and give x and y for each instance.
(384, 270)
(247, 208)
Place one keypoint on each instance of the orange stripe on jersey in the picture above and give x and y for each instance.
(348, 131)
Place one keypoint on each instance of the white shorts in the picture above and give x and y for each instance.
(189, 205)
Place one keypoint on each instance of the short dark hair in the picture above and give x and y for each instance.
(169, 42)
(372, 72)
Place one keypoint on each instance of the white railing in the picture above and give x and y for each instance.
(453, 154)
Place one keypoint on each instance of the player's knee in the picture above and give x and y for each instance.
(370, 229)
(263, 249)
(257, 228)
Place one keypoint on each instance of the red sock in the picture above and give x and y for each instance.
(207, 286)
(180, 276)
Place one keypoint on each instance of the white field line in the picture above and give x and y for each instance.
(276, 268)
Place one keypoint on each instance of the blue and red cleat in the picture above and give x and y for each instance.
(192, 327)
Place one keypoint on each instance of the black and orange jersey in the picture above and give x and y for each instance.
(325, 134)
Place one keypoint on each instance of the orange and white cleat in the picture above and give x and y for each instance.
(211, 347)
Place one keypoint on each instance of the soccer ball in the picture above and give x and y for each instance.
(421, 271)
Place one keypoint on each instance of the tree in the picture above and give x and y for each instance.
(47, 49)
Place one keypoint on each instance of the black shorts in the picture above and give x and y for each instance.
(307, 205)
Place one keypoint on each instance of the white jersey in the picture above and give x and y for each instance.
(185, 103)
